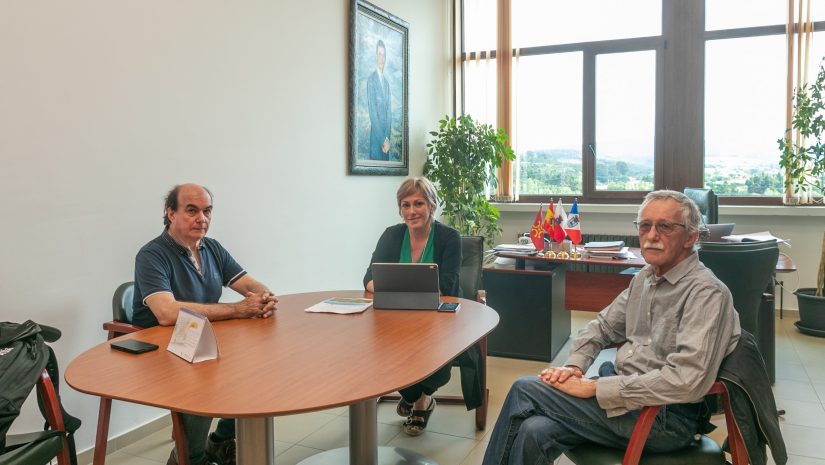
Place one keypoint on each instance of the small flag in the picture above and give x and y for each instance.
(549, 223)
(537, 233)
(573, 225)
(560, 220)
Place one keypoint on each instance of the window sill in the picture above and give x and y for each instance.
(733, 210)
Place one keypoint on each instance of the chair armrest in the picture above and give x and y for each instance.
(639, 436)
(767, 296)
(47, 394)
(119, 328)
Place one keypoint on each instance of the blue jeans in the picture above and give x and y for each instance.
(538, 423)
(197, 430)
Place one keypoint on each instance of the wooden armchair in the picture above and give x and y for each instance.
(122, 310)
(704, 452)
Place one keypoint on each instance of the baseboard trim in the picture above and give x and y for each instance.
(129, 437)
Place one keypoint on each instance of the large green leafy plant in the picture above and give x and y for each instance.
(804, 160)
(461, 160)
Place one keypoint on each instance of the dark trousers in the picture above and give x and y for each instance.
(197, 430)
(428, 385)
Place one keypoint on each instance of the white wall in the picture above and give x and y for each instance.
(105, 105)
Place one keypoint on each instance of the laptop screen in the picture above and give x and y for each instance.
(412, 286)
(405, 277)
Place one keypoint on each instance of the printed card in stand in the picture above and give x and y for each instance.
(193, 338)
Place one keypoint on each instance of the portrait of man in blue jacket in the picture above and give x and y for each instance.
(378, 101)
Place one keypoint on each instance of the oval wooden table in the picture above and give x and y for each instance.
(291, 363)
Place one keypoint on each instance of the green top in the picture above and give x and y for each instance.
(426, 254)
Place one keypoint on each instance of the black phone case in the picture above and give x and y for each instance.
(448, 307)
(133, 346)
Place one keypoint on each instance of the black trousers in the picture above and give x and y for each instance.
(428, 385)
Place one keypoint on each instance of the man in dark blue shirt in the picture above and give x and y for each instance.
(184, 268)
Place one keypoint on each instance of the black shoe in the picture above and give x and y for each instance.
(223, 453)
(404, 408)
(173, 460)
(417, 421)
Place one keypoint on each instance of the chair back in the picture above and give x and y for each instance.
(744, 245)
(746, 272)
(707, 202)
(122, 303)
(472, 251)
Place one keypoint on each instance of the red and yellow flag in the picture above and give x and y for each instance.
(549, 221)
(537, 232)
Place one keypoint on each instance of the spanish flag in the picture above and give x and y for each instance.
(537, 233)
(549, 223)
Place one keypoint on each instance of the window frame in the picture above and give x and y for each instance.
(680, 113)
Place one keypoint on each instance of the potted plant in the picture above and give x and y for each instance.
(812, 303)
(461, 161)
(804, 159)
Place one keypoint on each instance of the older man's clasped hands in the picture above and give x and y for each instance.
(570, 380)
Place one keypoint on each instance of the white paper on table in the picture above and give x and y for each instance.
(193, 338)
(341, 305)
(757, 236)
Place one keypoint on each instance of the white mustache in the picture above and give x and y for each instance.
(654, 245)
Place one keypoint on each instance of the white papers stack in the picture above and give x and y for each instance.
(757, 236)
(621, 253)
(515, 248)
(604, 246)
(341, 305)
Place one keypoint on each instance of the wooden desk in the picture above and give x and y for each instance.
(591, 291)
(291, 363)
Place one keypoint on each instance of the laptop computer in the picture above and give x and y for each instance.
(717, 231)
(405, 286)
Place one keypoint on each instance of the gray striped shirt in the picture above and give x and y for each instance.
(675, 330)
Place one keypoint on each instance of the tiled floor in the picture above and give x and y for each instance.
(451, 438)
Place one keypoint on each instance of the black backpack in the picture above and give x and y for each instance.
(23, 355)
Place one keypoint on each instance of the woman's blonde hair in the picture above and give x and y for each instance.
(421, 186)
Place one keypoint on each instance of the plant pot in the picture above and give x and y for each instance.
(811, 312)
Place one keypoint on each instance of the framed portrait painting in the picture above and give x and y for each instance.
(379, 75)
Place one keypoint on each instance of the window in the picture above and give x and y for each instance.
(584, 99)
(745, 99)
(549, 146)
(614, 99)
(625, 121)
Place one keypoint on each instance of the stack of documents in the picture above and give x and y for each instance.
(341, 305)
(757, 236)
(623, 252)
(515, 248)
(613, 246)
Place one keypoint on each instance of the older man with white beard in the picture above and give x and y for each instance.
(676, 322)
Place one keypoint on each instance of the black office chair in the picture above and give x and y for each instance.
(707, 202)
(472, 251)
(747, 269)
(41, 447)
